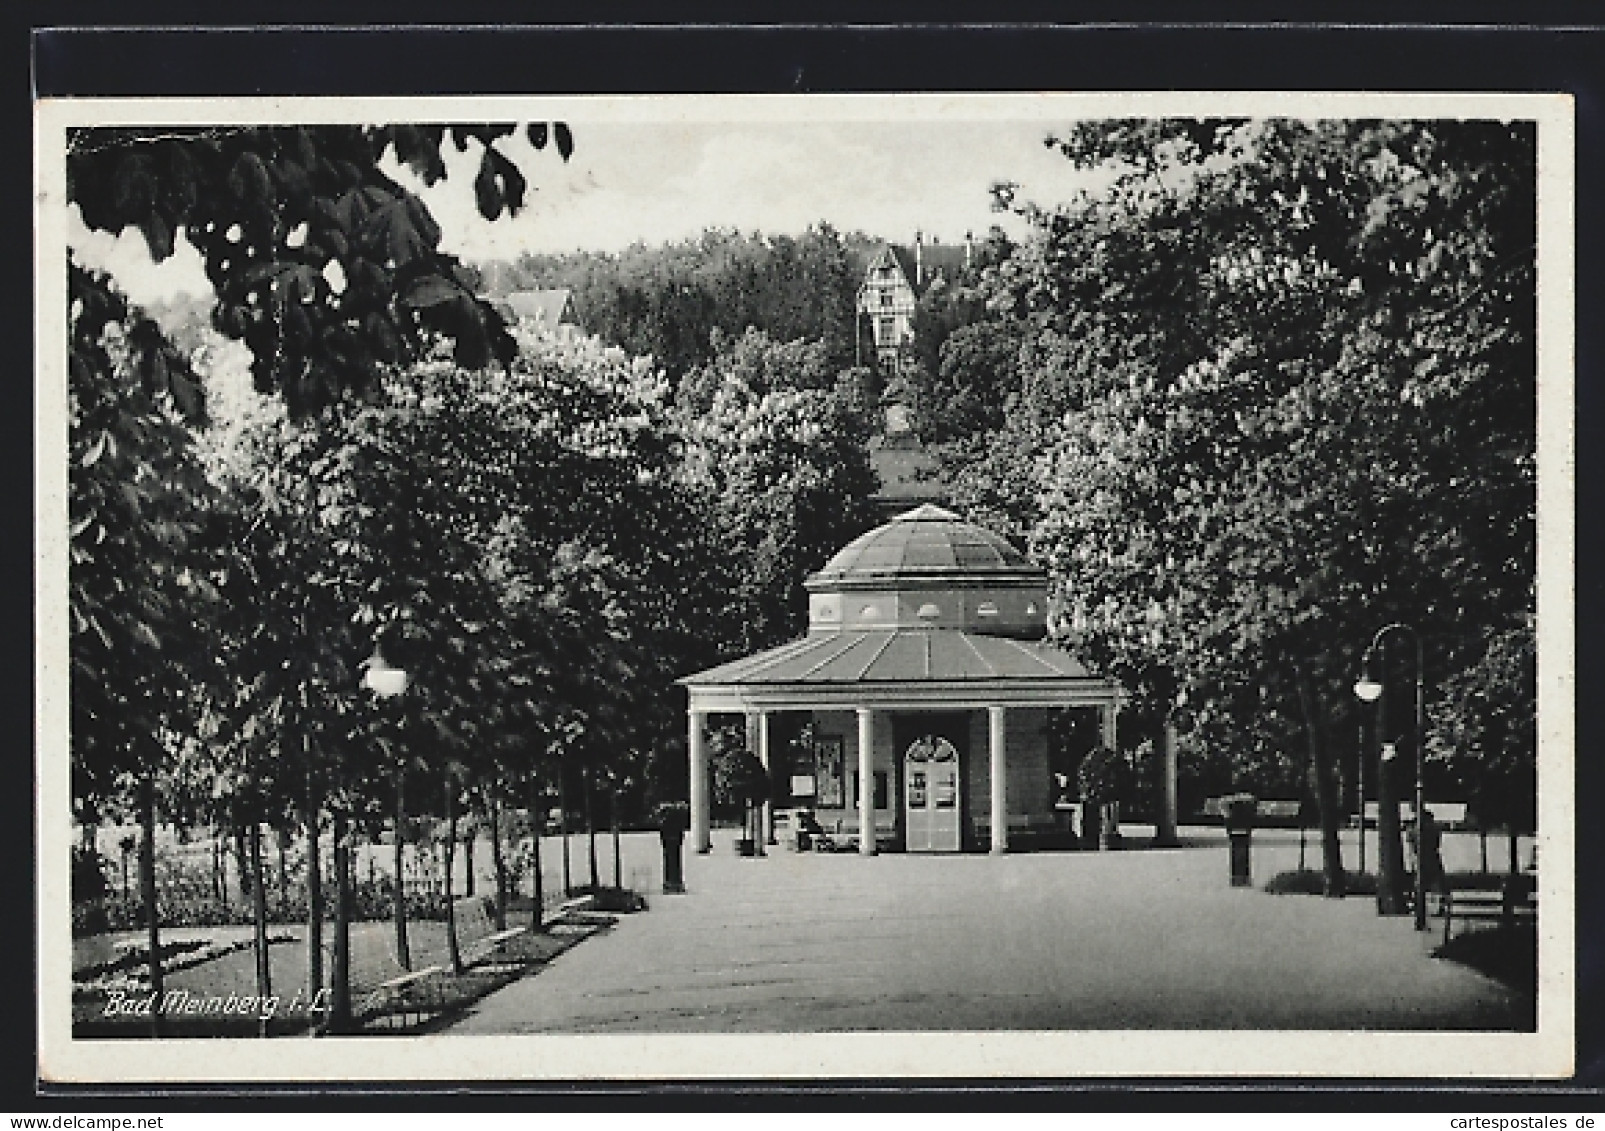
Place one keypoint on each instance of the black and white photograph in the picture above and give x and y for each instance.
(805, 585)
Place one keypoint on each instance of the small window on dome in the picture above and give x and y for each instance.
(868, 611)
(1031, 609)
(987, 609)
(929, 612)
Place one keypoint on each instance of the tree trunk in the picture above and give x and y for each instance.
(403, 952)
(340, 1005)
(281, 837)
(1482, 844)
(537, 799)
(1390, 847)
(498, 859)
(264, 971)
(314, 897)
(452, 948)
(562, 825)
(1515, 865)
(590, 825)
(468, 858)
(219, 870)
(1091, 825)
(242, 855)
(147, 884)
(618, 860)
(1328, 800)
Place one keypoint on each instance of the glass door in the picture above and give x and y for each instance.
(931, 794)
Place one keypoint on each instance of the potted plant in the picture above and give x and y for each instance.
(1100, 777)
(740, 779)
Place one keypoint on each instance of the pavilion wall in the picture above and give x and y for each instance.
(1030, 786)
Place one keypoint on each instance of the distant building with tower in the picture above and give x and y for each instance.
(897, 275)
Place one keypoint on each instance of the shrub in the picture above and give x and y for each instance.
(1101, 775)
(1308, 881)
(672, 817)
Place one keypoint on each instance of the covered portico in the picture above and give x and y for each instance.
(923, 667)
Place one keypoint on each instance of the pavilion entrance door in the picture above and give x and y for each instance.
(932, 785)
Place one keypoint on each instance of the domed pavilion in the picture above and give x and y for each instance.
(924, 672)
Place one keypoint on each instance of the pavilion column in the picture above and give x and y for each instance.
(866, 781)
(767, 832)
(999, 765)
(1108, 713)
(697, 747)
(1167, 816)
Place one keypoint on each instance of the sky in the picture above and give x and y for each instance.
(663, 180)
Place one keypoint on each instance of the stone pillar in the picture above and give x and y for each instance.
(767, 832)
(866, 781)
(999, 765)
(1166, 837)
(697, 747)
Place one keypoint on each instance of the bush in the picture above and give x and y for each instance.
(672, 817)
(1101, 776)
(1240, 810)
(1310, 881)
(88, 875)
(1506, 954)
(612, 899)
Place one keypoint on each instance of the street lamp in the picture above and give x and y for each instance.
(382, 679)
(1370, 691)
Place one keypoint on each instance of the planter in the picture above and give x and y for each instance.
(1111, 825)
(1240, 845)
(673, 872)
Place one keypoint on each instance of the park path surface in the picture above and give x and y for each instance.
(1136, 939)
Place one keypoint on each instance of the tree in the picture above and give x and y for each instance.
(969, 389)
(327, 268)
(787, 480)
(676, 302)
(138, 593)
(1291, 382)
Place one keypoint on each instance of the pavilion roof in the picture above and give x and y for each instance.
(897, 656)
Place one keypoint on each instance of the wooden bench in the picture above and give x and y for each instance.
(488, 943)
(1507, 905)
(400, 996)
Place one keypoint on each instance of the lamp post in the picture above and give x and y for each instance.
(1370, 691)
(387, 682)
(1359, 794)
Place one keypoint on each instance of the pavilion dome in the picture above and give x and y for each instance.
(929, 569)
(925, 542)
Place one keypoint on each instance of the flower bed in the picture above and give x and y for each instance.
(130, 970)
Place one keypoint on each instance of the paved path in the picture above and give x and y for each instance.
(1136, 939)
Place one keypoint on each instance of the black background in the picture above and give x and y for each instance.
(1129, 46)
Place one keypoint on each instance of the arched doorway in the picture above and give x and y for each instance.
(931, 795)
